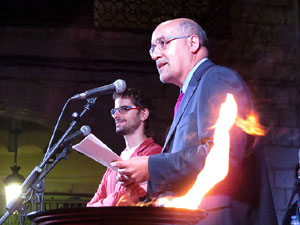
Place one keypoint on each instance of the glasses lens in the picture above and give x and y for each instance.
(124, 109)
(113, 111)
(162, 42)
(151, 50)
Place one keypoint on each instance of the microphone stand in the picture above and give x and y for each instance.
(34, 179)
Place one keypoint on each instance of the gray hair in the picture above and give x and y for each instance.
(191, 27)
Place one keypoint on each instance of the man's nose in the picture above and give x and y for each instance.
(116, 114)
(156, 54)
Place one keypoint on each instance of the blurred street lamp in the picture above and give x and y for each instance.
(12, 183)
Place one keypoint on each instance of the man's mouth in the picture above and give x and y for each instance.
(118, 122)
(159, 65)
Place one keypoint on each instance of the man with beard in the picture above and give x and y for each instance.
(131, 115)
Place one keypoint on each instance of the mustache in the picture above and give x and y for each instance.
(161, 61)
(120, 120)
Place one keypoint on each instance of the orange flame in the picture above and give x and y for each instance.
(217, 161)
(250, 125)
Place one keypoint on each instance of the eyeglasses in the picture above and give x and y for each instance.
(162, 42)
(123, 109)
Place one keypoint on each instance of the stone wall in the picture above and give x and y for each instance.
(265, 50)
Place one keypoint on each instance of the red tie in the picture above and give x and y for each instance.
(178, 102)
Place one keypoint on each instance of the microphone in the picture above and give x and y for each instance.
(119, 86)
(84, 131)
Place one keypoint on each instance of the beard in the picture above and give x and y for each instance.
(129, 127)
(162, 78)
(165, 76)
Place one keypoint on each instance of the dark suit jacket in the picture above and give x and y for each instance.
(174, 171)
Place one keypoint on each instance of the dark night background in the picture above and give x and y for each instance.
(51, 50)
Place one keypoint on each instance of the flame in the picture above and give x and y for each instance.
(217, 161)
(250, 125)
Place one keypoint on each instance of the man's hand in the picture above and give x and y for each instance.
(133, 170)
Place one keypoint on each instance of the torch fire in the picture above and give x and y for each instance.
(217, 157)
(217, 161)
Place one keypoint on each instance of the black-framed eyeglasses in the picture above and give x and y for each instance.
(123, 109)
(162, 42)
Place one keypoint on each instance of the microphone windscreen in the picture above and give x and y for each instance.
(120, 86)
(86, 130)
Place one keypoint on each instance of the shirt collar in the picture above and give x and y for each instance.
(190, 75)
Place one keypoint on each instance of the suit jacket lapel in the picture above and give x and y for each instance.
(186, 98)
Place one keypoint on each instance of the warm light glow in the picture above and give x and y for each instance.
(250, 125)
(12, 191)
(216, 164)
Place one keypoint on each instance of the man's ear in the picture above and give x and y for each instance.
(194, 43)
(144, 114)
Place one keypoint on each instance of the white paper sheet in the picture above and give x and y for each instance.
(94, 148)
